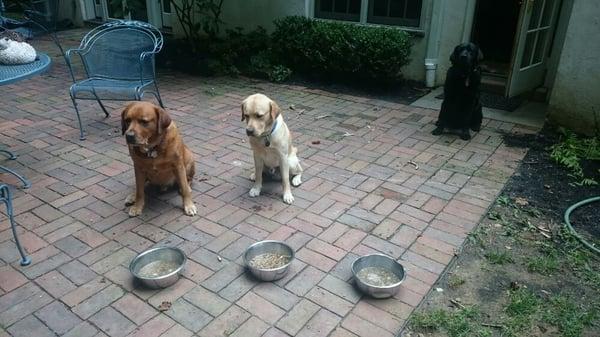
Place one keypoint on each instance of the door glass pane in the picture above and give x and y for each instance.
(166, 6)
(540, 46)
(380, 7)
(547, 15)
(529, 41)
(536, 12)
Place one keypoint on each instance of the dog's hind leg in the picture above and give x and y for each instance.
(191, 171)
(295, 168)
(464, 134)
(438, 130)
(477, 118)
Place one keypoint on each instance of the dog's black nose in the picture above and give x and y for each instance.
(130, 137)
(249, 132)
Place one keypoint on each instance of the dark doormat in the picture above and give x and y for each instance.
(495, 101)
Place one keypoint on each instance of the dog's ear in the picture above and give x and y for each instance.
(454, 54)
(124, 125)
(274, 109)
(163, 120)
(243, 107)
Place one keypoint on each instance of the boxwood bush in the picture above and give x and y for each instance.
(342, 51)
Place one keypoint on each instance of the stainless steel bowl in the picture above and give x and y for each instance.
(268, 246)
(382, 261)
(164, 254)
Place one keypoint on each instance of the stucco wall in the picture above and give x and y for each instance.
(576, 91)
(453, 30)
(250, 14)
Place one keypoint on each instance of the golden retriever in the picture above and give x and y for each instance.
(159, 155)
(271, 144)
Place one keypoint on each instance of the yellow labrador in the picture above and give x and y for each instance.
(271, 144)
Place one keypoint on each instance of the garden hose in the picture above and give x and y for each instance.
(572, 230)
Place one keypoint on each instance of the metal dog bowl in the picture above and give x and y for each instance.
(381, 261)
(158, 267)
(264, 247)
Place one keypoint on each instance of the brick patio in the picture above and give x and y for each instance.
(359, 196)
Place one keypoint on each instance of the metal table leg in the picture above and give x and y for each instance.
(5, 197)
(11, 156)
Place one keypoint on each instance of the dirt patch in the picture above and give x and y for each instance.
(520, 273)
(550, 188)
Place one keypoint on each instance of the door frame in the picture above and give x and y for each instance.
(556, 41)
(521, 37)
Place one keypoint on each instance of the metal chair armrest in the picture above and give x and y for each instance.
(68, 61)
(143, 56)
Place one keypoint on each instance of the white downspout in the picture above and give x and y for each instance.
(433, 42)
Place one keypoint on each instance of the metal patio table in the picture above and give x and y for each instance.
(10, 74)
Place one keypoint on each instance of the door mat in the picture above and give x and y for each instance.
(495, 101)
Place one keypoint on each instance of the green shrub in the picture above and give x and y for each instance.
(340, 50)
(571, 150)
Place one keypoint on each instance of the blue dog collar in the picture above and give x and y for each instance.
(273, 129)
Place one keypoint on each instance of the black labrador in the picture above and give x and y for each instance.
(461, 108)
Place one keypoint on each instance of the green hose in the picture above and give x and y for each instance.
(567, 216)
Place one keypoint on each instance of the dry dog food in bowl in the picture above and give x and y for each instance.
(378, 275)
(269, 260)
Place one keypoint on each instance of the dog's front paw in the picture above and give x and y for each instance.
(254, 191)
(297, 180)
(465, 135)
(288, 198)
(190, 209)
(136, 210)
(438, 131)
(130, 200)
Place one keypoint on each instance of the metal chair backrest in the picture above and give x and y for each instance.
(122, 50)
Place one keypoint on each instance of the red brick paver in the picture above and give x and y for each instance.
(359, 196)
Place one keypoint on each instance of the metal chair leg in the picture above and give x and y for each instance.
(81, 134)
(5, 197)
(158, 96)
(26, 183)
(11, 155)
(101, 105)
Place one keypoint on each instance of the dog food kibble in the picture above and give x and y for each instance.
(377, 276)
(157, 268)
(269, 261)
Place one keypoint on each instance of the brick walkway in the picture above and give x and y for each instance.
(359, 196)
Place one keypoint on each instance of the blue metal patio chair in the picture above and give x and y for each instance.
(118, 59)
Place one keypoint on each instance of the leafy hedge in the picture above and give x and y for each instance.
(314, 48)
(341, 50)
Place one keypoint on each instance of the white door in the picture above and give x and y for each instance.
(534, 33)
(98, 9)
(166, 12)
